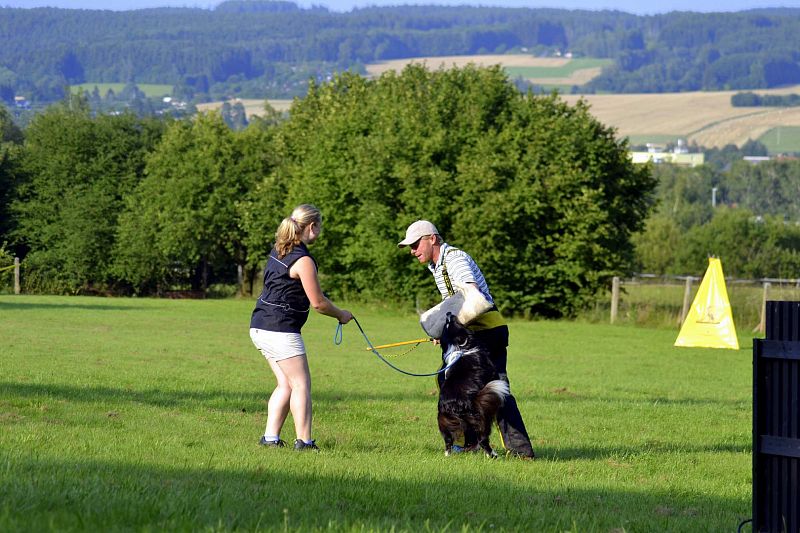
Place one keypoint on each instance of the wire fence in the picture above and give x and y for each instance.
(648, 299)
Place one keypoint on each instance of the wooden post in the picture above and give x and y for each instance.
(614, 298)
(16, 276)
(762, 325)
(687, 294)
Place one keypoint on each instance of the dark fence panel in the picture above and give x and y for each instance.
(776, 421)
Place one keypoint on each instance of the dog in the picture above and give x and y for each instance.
(471, 392)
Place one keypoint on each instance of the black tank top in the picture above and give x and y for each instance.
(283, 304)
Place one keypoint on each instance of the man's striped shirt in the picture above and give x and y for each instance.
(461, 269)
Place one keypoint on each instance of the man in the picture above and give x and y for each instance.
(450, 266)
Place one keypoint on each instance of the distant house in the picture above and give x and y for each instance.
(756, 159)
(21, 102)
(679, 156)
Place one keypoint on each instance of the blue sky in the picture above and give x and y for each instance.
(639, 7)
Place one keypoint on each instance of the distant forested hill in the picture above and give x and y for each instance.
(270, 49)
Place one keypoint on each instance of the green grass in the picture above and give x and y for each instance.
(143, 414)
(557, 72)
(781, 140)
(151, 90)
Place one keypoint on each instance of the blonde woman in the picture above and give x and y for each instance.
(291, 289)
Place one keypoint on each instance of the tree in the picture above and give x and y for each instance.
(749, 247)
(77, 169)
(10, 149)
(182, 224)
(539, 192)
(657, 244)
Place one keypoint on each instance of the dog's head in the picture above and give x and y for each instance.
(454, 334)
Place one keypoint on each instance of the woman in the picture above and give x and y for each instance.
(291, 288)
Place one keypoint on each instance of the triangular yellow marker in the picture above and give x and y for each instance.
(709, 323)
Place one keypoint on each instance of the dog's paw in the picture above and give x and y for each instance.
(447, 453)
(491, 454)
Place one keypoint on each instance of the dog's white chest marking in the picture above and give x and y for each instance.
(450, 358)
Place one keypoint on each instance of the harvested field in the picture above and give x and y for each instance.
(707, 118)
(251, 106)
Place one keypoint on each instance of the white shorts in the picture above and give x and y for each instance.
(277, 345)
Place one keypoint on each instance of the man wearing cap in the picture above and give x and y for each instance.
(449, 266)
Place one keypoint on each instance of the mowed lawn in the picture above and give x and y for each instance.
(143, 414)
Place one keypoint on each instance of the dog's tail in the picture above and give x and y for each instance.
(492, 396)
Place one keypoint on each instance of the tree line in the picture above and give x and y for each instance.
(263, 49)
(754, 226)
(751, 99)
(541, 193)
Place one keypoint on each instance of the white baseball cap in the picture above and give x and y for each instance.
(417, 230)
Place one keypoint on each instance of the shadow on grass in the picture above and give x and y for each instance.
(19, 306)
(619, 453)
(639, 400)
(303, 495)
(208, 399)
(250, 402)
(237, 400)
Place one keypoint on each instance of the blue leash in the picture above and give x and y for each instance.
(338, 336)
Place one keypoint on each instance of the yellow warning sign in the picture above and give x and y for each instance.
(709, 323)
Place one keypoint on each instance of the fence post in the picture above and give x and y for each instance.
(16, 276)
(687, 294)
(762, 324)
(614, 297)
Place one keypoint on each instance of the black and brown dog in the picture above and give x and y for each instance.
(471, 392)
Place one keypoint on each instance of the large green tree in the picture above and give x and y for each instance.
(539, 192)
(184, 222)
(77, 170)
(10, 149)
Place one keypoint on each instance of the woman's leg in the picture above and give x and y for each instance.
(296, 371)
(278, 406)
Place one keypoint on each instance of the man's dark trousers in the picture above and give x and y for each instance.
(509, 420)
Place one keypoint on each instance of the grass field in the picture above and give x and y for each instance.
(544, 71)
(782, 139)
(575, 72)
(143, 414)
(149, 89)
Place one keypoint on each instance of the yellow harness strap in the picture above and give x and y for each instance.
(488, 320)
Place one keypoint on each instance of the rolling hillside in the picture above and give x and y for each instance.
(547, 71)
(707, 118)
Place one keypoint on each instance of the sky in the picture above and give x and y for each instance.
(639, 7)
